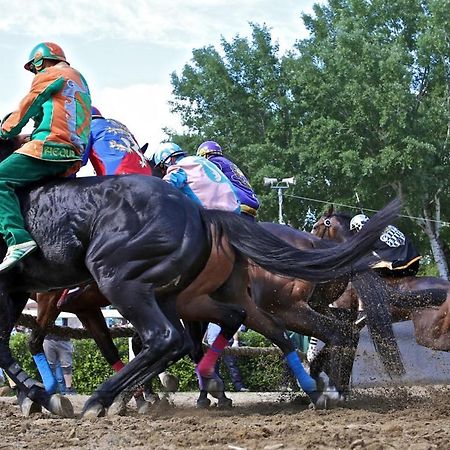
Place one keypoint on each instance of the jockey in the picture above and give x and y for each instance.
(198, 178)
(112, 149)
(398, 256)
(59, 102)
(249, 202)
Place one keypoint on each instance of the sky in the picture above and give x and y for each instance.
(127, 50)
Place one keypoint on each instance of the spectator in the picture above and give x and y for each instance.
(59, 351)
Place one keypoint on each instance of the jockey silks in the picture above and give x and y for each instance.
(113, 150)
(203, 182)
(248, 199)
(60, 104)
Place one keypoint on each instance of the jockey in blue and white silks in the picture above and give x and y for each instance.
(198, 178)
(212, 151)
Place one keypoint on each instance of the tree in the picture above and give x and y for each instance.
(241, 99)
(375, 77)
(362, 105)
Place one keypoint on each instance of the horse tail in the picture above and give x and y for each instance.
(425, 298)
(374, 295)
(317, 264)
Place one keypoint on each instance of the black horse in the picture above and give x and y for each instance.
(138, 237)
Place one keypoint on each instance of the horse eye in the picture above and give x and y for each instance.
(327, 222)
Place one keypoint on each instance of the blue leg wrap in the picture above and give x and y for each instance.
(47, 376)
(306, 382)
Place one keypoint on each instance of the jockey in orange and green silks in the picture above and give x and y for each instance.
(59, 102)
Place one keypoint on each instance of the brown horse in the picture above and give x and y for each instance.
(428, 307)
(276, 303)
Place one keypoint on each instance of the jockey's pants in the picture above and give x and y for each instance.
(17, 171)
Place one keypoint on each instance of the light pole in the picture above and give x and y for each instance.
(280, 185)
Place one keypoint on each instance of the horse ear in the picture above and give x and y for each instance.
(330, 210)
(144, 148)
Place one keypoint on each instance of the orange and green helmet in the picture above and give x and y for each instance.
(44, 50)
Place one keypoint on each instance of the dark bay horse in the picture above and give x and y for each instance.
(276, 303)
(137, 238)
(428, 307)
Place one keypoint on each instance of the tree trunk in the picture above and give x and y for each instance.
(432, 228)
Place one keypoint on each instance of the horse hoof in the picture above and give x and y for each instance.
(61, 406)
(117, 408)
(203, 401)
(93, 411)
(225, 403)
(214, 386)
(143, 407)
(325, 400)
(170, 382)
(29, 407)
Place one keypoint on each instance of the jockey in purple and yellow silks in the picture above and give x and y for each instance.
(199, 179)
(112, 149)
(60, 104)
(249, 202)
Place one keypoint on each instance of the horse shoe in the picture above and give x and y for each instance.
(118, 406)
(214, 386)
(94, 411)
(61, 406)
(27, 406)
(169, 382)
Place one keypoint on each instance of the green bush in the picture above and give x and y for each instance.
(89, 367)
(20, 351)
(261, 373)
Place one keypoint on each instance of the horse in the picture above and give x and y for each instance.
(138, 238)
(86, 303)
(428, 302)
(288, 300)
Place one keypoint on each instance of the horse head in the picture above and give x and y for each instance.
(333, 225)
(156, 169)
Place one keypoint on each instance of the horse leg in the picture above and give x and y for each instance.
(336, 335)
(230, 318)
(47, 312)
(236, 290)
(11, 307)
(341, 359)
(196, 331)
(162, 343)
(145, 396)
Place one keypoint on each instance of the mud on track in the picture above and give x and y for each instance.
(405, 418)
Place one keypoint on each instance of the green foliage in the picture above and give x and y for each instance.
(89, 367)
(361, 105)
(19, 350)
(264, 373)
(251, 338)
(259, 373)
(184, 370)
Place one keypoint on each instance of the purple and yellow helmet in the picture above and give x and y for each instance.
(209, 148)
(44, 50)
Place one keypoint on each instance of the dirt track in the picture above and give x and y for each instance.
(416, 418)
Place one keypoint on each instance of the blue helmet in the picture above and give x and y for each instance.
(209, 148)
(165, 151)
